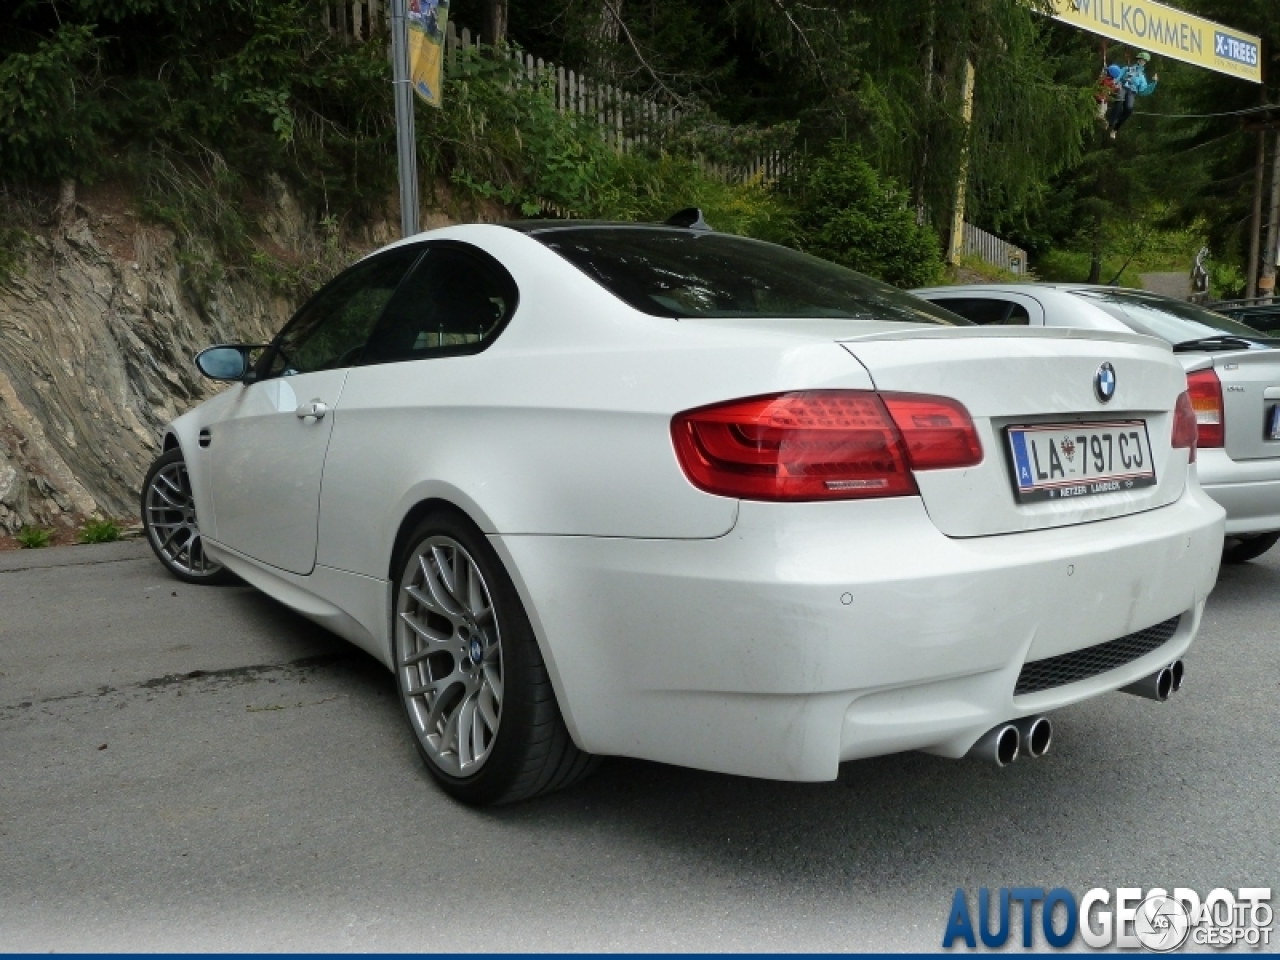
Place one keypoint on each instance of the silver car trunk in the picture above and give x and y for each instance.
(1250, 391)
(1027, 376)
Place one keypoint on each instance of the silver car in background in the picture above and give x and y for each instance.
(1233, 375)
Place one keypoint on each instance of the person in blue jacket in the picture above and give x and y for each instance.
(1133, 84)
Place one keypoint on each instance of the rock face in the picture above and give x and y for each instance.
(98, 326)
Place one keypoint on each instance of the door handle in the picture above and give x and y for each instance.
(316, 408)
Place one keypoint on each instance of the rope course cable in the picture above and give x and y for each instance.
(1205, 116)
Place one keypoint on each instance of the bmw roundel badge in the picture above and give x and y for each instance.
(1104, 382)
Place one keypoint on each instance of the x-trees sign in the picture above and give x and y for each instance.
(1168, 32)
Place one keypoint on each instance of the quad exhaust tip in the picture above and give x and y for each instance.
(1036, 734)
(1159, 685)
(999, 745)
(1005, 742)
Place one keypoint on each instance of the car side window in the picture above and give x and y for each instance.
(987, 311)
(332, 329)
(456, 301)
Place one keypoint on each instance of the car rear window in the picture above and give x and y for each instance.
(1174, 320)
(682, 273)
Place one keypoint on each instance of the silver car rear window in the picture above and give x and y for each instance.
(1173, 320)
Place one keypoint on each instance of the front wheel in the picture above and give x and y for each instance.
(1244, 549)
(169, 519)
(472, 680)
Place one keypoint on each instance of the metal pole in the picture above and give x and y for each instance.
(405, 139)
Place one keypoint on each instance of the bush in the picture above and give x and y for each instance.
(31, 538)
(502, 138)
(99, 531)
(849, 214)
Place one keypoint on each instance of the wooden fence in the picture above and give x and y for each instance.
(977, 242)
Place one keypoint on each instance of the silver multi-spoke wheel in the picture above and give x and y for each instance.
(449, 655)
(169, 514)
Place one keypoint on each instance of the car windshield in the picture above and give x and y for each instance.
(1173, 320)
(680, 273)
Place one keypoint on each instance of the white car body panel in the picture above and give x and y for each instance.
(265, 465)
(770, 639)
(1038, 381)
(740, 653)
(1244, 474)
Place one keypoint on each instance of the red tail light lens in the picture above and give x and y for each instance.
(822, 444)
(1184, 425)
(1206, 400)
(938, 432)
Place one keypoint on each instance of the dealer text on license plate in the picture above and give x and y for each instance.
(1059, 461)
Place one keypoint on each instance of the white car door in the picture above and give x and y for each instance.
(267, 453)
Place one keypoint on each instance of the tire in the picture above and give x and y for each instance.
(472, 681)
(169, 520)
(1244, 549)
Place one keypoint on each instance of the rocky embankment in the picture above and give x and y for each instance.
(98, 325)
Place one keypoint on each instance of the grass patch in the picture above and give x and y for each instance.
(100, 531)
(1071, 266)
(32, 538)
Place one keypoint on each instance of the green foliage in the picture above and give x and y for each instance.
(849, 214)
(52, 120)
(199, 103)
(1226, 281)
(99, 531)
(13, 241)
(32, 538)
(503, 139)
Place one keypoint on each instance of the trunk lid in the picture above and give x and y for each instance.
(1250, 392)
(1025, 377)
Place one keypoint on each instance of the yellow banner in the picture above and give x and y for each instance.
(427, 21)
(1168, 32)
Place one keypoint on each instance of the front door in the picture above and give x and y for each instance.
(267, 453)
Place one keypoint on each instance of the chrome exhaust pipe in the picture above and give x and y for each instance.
(1157, 687)
(999, 745)
(1177, 671)
(1036, 733)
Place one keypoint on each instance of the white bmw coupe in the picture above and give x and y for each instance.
(654, 491)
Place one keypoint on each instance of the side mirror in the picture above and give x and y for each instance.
(225, 361)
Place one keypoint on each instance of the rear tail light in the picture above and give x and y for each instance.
(822, 444)
(1206, 400)
(1184, 425)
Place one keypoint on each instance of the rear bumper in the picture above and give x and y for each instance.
(1249, 490)
(816, 633)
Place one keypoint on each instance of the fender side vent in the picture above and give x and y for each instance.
(1067, 668)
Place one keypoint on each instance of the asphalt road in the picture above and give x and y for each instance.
(198, 768)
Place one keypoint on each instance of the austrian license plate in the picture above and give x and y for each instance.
(1060, 461)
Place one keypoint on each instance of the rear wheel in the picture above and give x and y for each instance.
(169, 519)
(471, 677)
(1244, 549)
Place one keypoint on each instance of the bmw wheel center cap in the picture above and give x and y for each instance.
(1104, 382)
(476, 651)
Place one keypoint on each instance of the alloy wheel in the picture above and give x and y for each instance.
(449, 655)
(172, 526)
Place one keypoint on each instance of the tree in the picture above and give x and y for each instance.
(850, 215)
